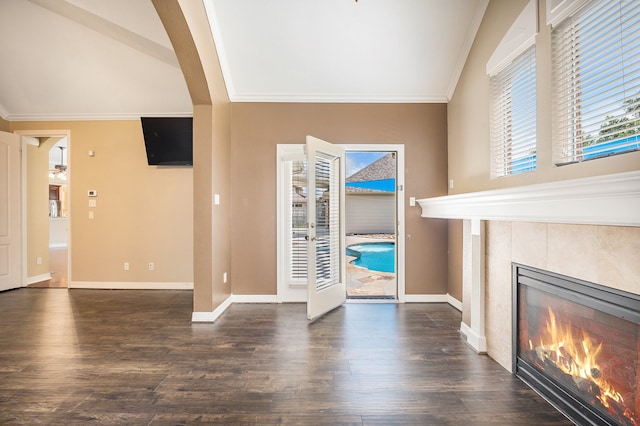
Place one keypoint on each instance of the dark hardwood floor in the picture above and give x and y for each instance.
(133, 357)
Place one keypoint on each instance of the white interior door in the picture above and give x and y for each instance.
(326, 270)
(10, 230)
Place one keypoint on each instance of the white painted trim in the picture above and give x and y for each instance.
(454, 302)
(58, 245)
(518, 38)
(254, 298)
(559, 10)
(466, 48)
(464, 328)
(38, 278)
(214, 315)
(94, 117)
(426, 298)
(601, 200)
(4, 113)
(124, 285)
(324, 98)
(26, 137)
(478, 343)
(284, 150)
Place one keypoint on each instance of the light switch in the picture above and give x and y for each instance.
(412, 201)
(92, 203)
(216, 199)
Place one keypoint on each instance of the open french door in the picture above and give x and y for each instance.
(326, 270)
(10, 228)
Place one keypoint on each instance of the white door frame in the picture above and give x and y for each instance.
(284, 151)
(25, 142)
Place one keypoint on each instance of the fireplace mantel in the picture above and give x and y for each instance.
(601, 200)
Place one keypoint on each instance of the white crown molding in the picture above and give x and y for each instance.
(122, 285)
(324, 98)
(4, 114)
(601, 200)
(92, 117)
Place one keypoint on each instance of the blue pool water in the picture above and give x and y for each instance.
(374, 256)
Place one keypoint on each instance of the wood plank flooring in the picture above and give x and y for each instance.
(133, 357)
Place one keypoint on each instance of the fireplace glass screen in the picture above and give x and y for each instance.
(578, 344)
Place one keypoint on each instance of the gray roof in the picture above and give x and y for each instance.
(384, 168)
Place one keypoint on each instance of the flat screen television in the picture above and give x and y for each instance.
(168, 140)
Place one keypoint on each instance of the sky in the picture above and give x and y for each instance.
(357, 160)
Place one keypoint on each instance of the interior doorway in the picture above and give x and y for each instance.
(368, 284)
(58, 173)
(46, 208)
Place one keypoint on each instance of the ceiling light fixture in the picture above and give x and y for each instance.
(60, 170)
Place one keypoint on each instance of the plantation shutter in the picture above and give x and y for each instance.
(327, 222)
(297, 222)
(513, 117)
(596, 82)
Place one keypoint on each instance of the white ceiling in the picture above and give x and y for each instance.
(97, 59)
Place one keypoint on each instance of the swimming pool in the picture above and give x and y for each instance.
(374, 256)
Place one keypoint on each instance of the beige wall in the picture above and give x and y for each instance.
(4, 125)
(188, 28)
(258, 128)
(143, 213)
(468, 113)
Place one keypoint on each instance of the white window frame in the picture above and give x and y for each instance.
(513, 131)
(594, 112)
(513, 117)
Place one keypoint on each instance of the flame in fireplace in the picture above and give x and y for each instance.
(576, 357)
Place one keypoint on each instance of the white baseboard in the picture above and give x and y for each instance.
(454, 302)
(123, 285)
(234, 298)
(254, 298)
(426, 298)
(477, 342)
(38, 278)
(212, 316)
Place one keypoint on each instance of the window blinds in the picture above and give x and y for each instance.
(596, 82)
(513, 117)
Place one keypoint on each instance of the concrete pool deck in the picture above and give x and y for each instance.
(362, 282)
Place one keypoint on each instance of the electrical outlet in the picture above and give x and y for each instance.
(152, 266)
(126, 266)
(224, 277)
(39, 260)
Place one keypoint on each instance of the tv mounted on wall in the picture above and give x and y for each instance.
(168, 140)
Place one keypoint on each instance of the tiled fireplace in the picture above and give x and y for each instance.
(588, 229)
(578, 344)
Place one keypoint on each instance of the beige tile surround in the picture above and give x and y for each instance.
(606, 255)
